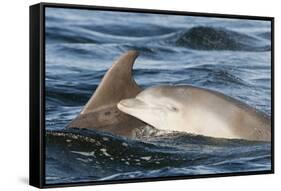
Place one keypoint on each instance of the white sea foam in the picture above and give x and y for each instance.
(83, 160)
(87, 154)
(105, 139)
(104, 151)
(146, 158)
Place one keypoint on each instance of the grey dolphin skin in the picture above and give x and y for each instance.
(101, 111)
(198, 111)
(119, 106)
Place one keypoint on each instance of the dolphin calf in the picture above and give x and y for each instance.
(198, 111)
(101, 111)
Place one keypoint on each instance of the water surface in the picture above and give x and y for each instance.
(232, 56)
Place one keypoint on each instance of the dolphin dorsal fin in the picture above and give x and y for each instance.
(117, 84)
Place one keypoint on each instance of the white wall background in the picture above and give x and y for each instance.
(14, 88)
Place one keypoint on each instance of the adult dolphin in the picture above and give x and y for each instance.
(101, 111)
(198, 111)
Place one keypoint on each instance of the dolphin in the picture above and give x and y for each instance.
(101, 112)
(198, 111)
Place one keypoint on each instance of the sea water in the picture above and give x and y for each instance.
(232, 56)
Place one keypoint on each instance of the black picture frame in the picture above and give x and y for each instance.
(37, 93)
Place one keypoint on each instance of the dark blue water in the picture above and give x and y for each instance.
(228, 55)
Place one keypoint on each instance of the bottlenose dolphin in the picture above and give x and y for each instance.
(101, 111)
(198, 111)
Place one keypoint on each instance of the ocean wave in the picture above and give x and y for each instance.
(102, 156)
(265, 35)
(197, 37)
(210, 75)
(82, 35)
(133, 30)
(212, 38)
(56, 34)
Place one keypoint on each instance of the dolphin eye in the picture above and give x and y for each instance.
(172, 108)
